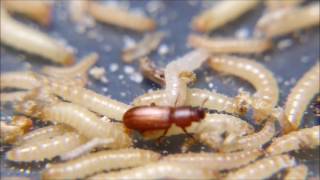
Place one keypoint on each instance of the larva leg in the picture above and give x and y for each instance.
(300, 96)
(87, 123)
(215, 161)
(98, 162)
(253, 140)
(297, 173)
(45, 148)
(263, 168)
(267, 90)
(159, 170)
(304, 138)
(18, 126)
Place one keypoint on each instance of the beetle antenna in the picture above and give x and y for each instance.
(204, 102)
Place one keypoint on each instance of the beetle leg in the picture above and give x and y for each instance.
(162, 136)
(188, 134)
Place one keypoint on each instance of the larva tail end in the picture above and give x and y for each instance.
(68, 59)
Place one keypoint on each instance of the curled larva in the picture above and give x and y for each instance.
(215, 161)
(297, 173)
(12, 96)
(229, 45)
(98, 162)
(39, 11)
(289, 20)
(300, 96)
(263, 168)
(176, 87)
(87, 98)
(267, 90)
(19, 80)
(251, 141)
(149, 43)
(304, 138)
(78, 69)
(43, 133)
(86, 123)
(221, 13)
(122, 17)
(195, 97)
(45, 148)
(158, 170)
(20, 36)
(211, 129)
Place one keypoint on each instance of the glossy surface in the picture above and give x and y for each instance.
(288, 64)
(145, 118)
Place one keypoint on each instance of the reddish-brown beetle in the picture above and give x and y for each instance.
(146, 118)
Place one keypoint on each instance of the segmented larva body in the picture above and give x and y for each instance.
(158, 170)
(12, 96)
(300, 96)
(176, 87)
(211, 129)
(297, 173)
(195, 97)
(91, 100)
(78, 69)
(263, 168)
(215, 161)
(267, 90)
(46, 148)
(304, 138)
(87, 123)
(19, 80)
(43, 133)
(98, 162)
(251, 141)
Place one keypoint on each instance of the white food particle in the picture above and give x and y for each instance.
(242, 33)
(128, 69)
(155, 6)
(210, 85)
(304, 59)
(128, 42)
(114, 67)
(163, 50)
(104, 89)
(98, 73)
(107, 48)
(120, 76)
(136, 77)
(123, 94)
(284, 44)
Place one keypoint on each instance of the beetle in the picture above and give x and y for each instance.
(148, 118)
